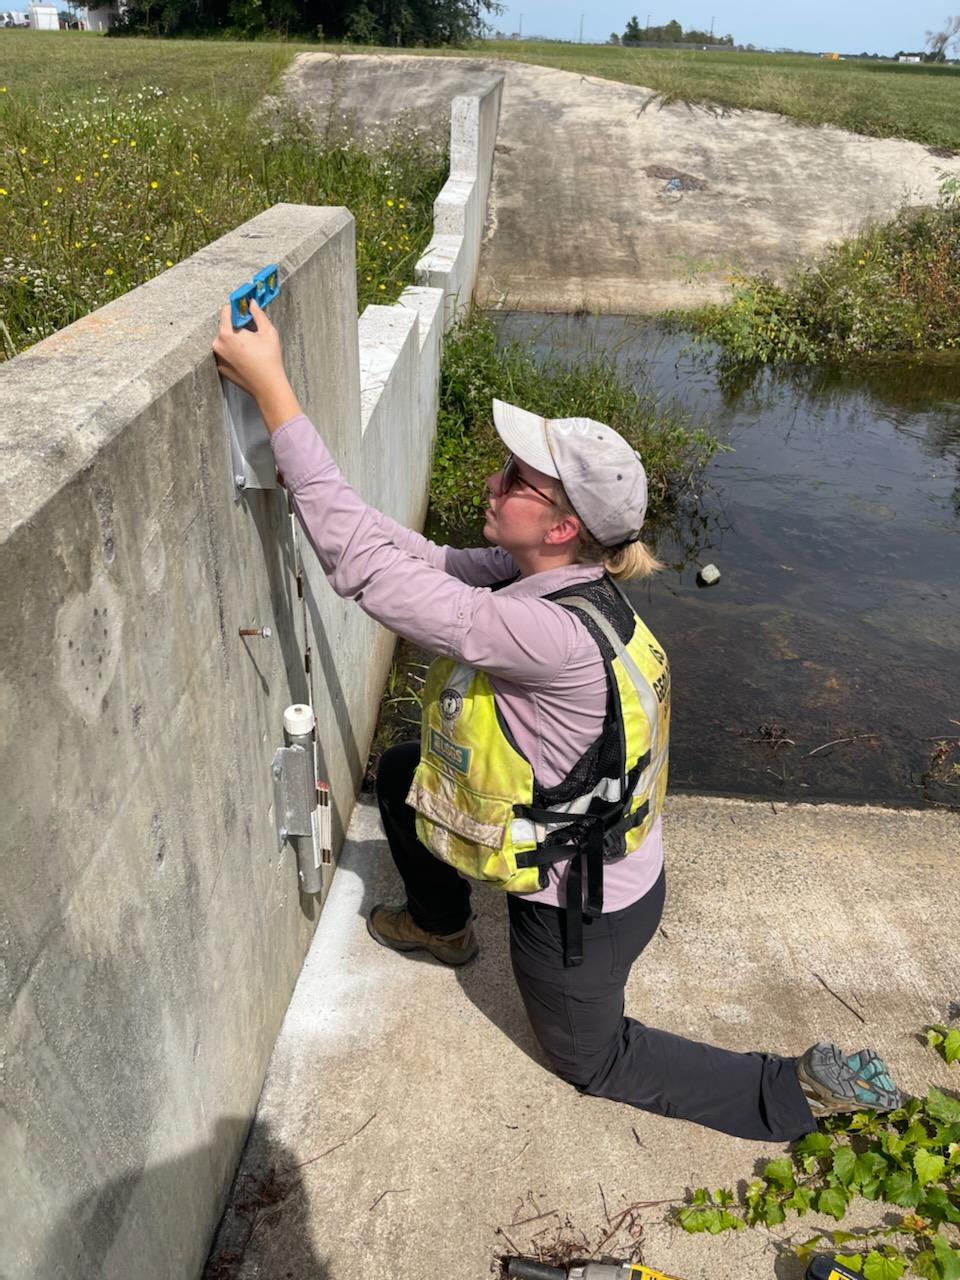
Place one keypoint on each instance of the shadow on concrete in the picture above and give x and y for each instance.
(267, 1189)
(108, 1232)
(488, 981)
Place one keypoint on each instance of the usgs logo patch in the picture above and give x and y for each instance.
(449, 753)
(451, 703)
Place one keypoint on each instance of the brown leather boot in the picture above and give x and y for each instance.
(393, 927)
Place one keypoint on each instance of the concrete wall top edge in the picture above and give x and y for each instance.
(70, 394)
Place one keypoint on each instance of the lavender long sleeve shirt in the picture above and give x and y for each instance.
(545, 669)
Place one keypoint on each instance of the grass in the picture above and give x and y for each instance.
(475, 371)
(120, 158)
(894, 289)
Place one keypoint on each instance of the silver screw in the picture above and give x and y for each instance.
(256, 631)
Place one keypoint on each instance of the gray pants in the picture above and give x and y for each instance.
(577, 1016)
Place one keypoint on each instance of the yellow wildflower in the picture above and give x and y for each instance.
(59, 191)
(402, 204)
(104, 155)
(154, 185)
(389, 204)
(381, 286)
(169, 262)
(76, 244)
(4, 191)
(3, 88)
(33, 235)
(109, 271)
(23, 151)
(145, 236)
(23, 279)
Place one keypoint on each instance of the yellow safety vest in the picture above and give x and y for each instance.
(478, 804)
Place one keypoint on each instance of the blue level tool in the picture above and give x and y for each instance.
(262, 289)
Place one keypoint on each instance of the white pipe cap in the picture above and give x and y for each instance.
(299, 719)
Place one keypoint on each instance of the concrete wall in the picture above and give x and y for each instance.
(151, 928)
(453, 254)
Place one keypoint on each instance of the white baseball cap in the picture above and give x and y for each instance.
(601, 474)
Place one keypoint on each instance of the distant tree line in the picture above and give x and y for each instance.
(670, 33)
(383, 22)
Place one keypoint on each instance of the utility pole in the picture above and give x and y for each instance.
(712, 21)
(581, 29)
(520, 32)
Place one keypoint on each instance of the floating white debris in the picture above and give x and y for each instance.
(709, 574)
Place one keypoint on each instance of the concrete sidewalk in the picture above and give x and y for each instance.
(408, 1128)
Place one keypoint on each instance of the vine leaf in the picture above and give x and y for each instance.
(947, 1257)
(929, 1167)
(877, 1266)
(833, 1201)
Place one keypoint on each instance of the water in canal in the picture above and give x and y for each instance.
(835, 523)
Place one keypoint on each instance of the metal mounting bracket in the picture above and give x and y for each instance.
(292, 786)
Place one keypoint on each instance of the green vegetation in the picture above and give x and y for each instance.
(909, 1159)
(893, 289)
(468, 449)
(136, 154)
(391, 22)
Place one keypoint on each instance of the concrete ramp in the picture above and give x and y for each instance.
(408, 1127)
(604, 199)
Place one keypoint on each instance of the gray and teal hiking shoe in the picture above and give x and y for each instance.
(832, 1083)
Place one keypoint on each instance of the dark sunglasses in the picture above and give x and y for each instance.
(510, 477)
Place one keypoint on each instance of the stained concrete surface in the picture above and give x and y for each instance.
(409, 1117)
(605, 199)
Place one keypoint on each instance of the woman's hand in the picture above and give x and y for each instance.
(252, 358)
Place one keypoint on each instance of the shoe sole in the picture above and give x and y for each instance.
(450, 959)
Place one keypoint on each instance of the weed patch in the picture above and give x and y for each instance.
(894, 289)
(475, 371)
(102, 191)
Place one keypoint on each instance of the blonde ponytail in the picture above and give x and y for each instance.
(635, 560)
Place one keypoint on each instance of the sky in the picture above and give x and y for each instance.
(847, 26)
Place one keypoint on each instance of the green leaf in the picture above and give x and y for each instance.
(723, 1196)
(843, 1237)
(700, 1196)
(941, 1107)
(870, 1164)
(801, 1200)
(814, 1144)
(925, 1264)
(937, 1204)
(844, 1163)
(891, 1142)
(902, 1188)
(773, 1213)
(929, 1167)
(951, 1045)
(833, 1201)
(877, 1266)
(947, 1257)
(852, 1260)
(780, 1171)
(871, 1188)
(693, 1218)
(916, 1135)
